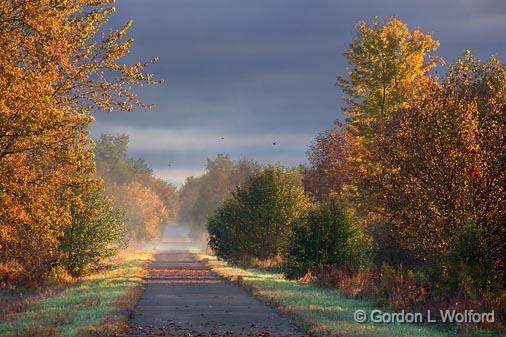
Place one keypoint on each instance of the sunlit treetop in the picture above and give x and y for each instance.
(389, 64)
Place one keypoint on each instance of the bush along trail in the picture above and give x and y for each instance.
(323, 311)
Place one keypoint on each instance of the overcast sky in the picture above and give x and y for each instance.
(261, 71)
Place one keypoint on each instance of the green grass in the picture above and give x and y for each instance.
(92, 304)
(323, 312)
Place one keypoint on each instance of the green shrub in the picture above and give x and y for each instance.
(224, 231)
(94, 232)
(327, 237)
(257, 223)
(469, 258)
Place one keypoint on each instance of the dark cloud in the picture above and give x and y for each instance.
(268, 67)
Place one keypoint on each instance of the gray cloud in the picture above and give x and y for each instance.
(264, 68)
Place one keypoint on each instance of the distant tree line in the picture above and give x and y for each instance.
(200, 196)
(148, 202)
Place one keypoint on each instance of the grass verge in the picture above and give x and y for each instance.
(322, 312)
(95, 305)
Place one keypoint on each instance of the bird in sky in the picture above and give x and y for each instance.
(273, 143)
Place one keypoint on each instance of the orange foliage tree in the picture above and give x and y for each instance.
(390, 66)
(55, 69)
(329, 156)
(441, 181)
(427, 167)
(167, 194)
(429, 159)
(144, 211)
(116, 170)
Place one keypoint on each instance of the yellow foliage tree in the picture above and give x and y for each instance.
(389, 67)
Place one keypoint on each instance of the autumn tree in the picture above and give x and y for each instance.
(167, 193)
(442, 175)
(389, 65)
(428, 162)
(329, 157)
(145, 213)
(56, 69)
(116, 168)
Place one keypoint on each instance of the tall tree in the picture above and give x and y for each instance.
(389, 65)
(389, 68)
(55, 70)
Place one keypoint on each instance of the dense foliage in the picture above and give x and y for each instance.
(414, 180)
(330, 171)
(94, 233)
(258, 221)
(328, 236)
(440, 177)
(428, 171)
(227, 237)
(56, 69)
(145, 212)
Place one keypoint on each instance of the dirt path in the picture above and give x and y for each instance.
(183, 298)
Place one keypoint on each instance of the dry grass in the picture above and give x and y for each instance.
(356, 284)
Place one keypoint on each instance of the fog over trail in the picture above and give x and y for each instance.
(182, 297)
